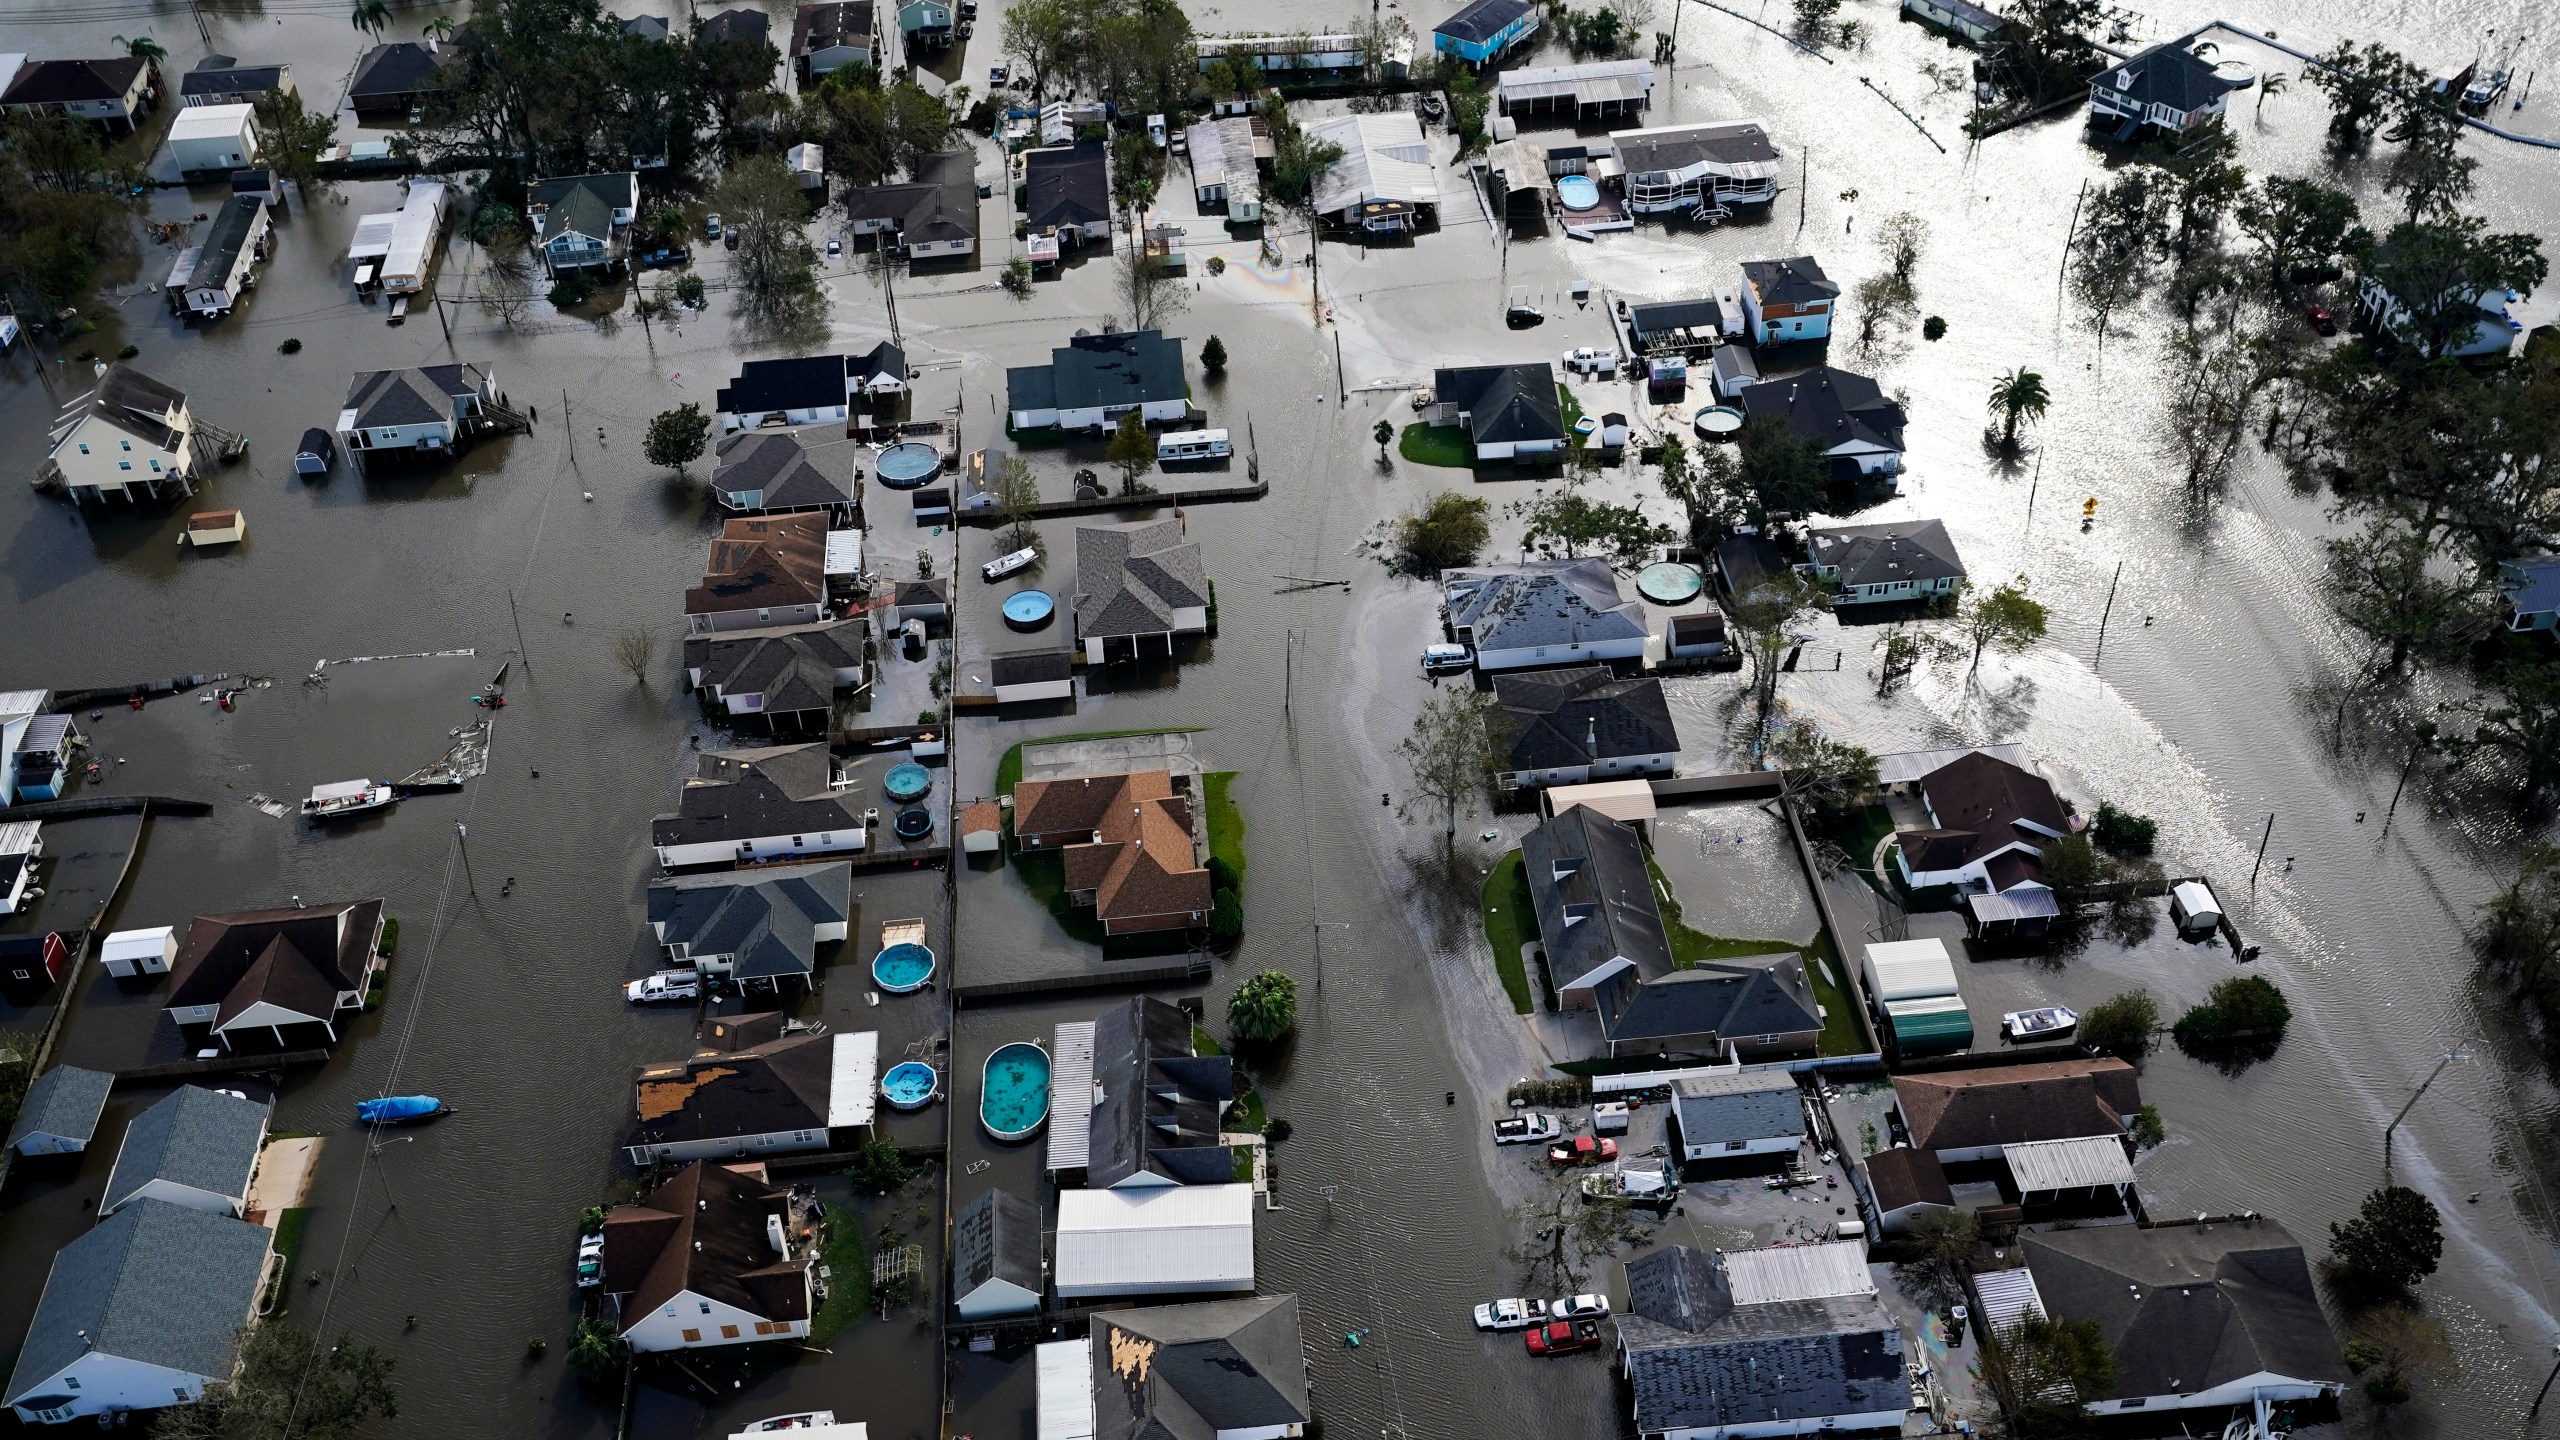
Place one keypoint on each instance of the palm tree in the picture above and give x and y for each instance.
(440, 28)
(2018, 395)
(143, 48)
(1263, 1008)
(1384, 432)
(371, 16)
(2275, 83)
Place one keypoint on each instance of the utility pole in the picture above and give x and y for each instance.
(1805, 184)
(1289, 671)
(201, 29)
(569, 426)
(2103, 616)
(2032, 486)
(2070, 235)
(521, 652)
(2442, 1061)
(462, 842)
(2425, 734)
(1340, 381)
(2263, 838)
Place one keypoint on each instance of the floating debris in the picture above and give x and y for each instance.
(466, 759)
(272, 808)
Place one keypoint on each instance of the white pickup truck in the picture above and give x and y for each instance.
(1587, 361)
(664, 987)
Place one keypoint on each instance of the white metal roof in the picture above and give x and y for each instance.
(844, 552)
(2008, 1296)
(19, 837)
(2196, 899)
(2091, 1160)
(413, 230)
(1589, 84)
(19, 704)
(1384, 157)
(1163, 1238)
(134, 944)
(1066, 1389)
(853, 1081)
(1630, 801)
(1070, 1095)
(341, 790)
(1910, 969)
(1912, 765)
(840, 1430)
(1799, 1272)
(211, 122)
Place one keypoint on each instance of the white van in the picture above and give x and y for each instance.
(1447, 660)
(1193, 445)
(1155, 130)
(1004, 565)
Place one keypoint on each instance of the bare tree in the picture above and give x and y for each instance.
(1144, 286)
(1017, 497)
(1452, 751)
(632, 650)
(1562, 1233)
(506, 286)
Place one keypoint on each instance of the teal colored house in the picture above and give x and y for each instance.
(925, 22)
(1482, 31)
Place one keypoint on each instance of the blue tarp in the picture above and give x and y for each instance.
(395, 1109)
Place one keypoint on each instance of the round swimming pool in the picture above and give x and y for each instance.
(1029, 609)
(909, 1085)
(1576, 192)
(913, 823)
(1719, 420)
(907, 464)
(902, 968)
(1670, 583)
(907, 781)
(1015, 1099)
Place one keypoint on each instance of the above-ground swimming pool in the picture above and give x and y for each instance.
(907, 464)
(909, 1086)
(906, 781)
(1670, 583)
(1015, 1100)
(913, 823)
(1029, 609)
(1576, 192)
(902, 968)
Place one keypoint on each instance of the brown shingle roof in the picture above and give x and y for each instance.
(2010, 1104)
(1143, 864)
(1992, 801)
(763, 561)
(981, 816)
(1059, 812)
(300, 959)
(703, 1231)
(1906, 1175)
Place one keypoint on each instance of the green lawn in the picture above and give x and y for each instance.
(288, 1247)
(1443, 445)
(1226, 823)
(1572, 412)
(1045, 873)
(848, 1260)
(1510, 922)
(1009, 766)
(1841, 1034)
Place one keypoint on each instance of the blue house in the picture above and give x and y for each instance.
(1482, 31)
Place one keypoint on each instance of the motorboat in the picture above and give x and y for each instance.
(805, 1420)
(400, 1110)
(2050, 1022)
(347, 797)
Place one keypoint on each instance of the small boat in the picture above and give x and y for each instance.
(347, 797)
(400, 1110)
(215, 527)
(805, 1420)
(2050, 1022)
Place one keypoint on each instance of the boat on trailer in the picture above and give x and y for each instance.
(2049, 1022)
(347, 797)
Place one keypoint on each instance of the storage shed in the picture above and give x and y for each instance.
(129, 954)
(60, 1112)
(995, 1257)
(207, 138)
(2193, 908)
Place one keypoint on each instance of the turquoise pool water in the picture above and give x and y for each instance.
(909, 1085)
(907, 464)
(906, 781)
(1576, 192)
(902, 968)
(1015, 1099)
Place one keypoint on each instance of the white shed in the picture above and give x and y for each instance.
(1909, 970)
(1164, 1240)
(131, 953)
(214, 137)
(2192, 906)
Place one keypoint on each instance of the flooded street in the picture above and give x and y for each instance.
(2206, 713)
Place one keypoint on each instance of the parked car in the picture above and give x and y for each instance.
(1579, 1307)
(1588, 361)
(1525, 1129)
(664, 987)
(1521, 317)
(1583, 1150)
(1449, 660)
(996, 76)
(1564, 1337)
(711, 227)
(666, 255)
(1513, 1314)
(2320, 318)
(1007, 564)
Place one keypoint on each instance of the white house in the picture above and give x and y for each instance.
(1846, 418)
(1737, 1116)
(1960, 17)
(761, 927)
(129, 954)
(1681, 167)
(1784, 301)
(21, 846)
(828, 35)
(2492, 331)
(1988, 824)
(392, 249)
(211, 278)
(60, 1111)
(194, 1147)
(1031, 675)
(1137, 585)
(1385, 182)
(207, 138)
(130, 438)
(426, 408)
(746, 806)
(753, 1091)
(1093, 380)
(1163, 1240)
(113, 93)
(139, 1313)
(1573, 726)
(1895, 562)
(1542, 613)
(715, 1256)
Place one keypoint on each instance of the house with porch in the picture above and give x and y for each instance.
(1960, 1116)
(1066, 193)
(274, 980)
(758, 928)
(21, 847)
(716, 1255)
(1481, 31)
(1784, 301)
(932, 216)
(764, 571)
(1093, 380)
(1989, 819)
(1541, 613)
(750, 1090)
(771, 472)
(1509, 412)
(1139, 586)
(1844, 417)
(2531, 588)
(1704, 1363)
(390, 79)
(1385, 182)
(831, 34)
(221, 80)
(129, 438)
(583, 222)
(784, 681)
(2167, 89)
(1896, 562)
(111, 94)
(1227, 160)
(1960, 18)
(747, 807)
(1686, 167)
(925, 25)
(194, 1147)
(1569, 727)
(421, 410)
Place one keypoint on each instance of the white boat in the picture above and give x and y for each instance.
(806, 1420)
(347, 797)
(2050, 1022)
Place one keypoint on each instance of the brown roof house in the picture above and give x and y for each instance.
(751, 1089)
(1130, 851)
(1979, 1114)
(263, 981)
(765, 570)
(714, 1256)
(114, 93)
(1988, 822)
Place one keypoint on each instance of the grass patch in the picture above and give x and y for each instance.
(1572, 409)
(1509, 923)
(1841, 1032)
(1204, 1043)
(847, 1257)
(288, 1238)
(1045, 873)
(1009, 766)
(1226, 822)
(1442, 445)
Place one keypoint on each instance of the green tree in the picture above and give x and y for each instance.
(1763, 621)
(2363, 87)
(291, 139)
(1132, 452)
(730, 75)
(1041, 35)
(879, 1168)
(143, 48)
(1016, 280)
(2124, 832)
(1779, 473)
(1456, 741)
(2041, 1371)
(1145, 287)
(596, 1352)
(288, 1386)
(61, 213)
(2395, 1240)
(2051, 45)
(2121, 1025)
(2204, 182)
(1813, 17)
(774, 265)
(2298, 224)
(1902, 237)
(1446, 533)
(1831, 776)
(2398, 1344)
(1017, 497)
(2073, 869)
(2244, 1010)
(677, 437)
(2018, 395)
(1213, 357)
(2270, 85)
(2124, 230)
(371, 16)
(1942, 1246)
(1226, 917)
(2003, 618)
(1263, 1008)
(2428, 172)
(2518, 935)
(1384, 432)
(1572, 519)
(2435, 272)
(2384, 583)
(1297, 161)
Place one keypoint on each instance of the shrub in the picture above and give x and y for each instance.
(2242, 1008)
(1226, 917)
(878, 1169)
(1222, 876)
(1217, 265)
(689, 290)
(2122, 832)
(1933, 328)
(1264, 1007)
(572, 290)
(1016, 278)
(390, 935)
(2122, 1025)
(2149, 1131)
(1278, 1131)
(290, 346)
(1213, 356)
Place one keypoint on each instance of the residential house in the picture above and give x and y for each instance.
(745, 807)
(392, 249)
(1483, 29)
(1784, 301)
(1749, 1006)
(786, 679)
(1093, 380)
(141, 1312)
(933, 216)
(1685, 167)
(1989, 820)
(1896, 562)
(1900, 1185)
(1705, 1365)
(1595, 906)
(1030, 675)
(714, 1256)
(194, 1147)
(1541, 612)
(1157, 1104)
(2201, 1316)
(1216, 1370)
(59, 1113)
(920, 599)
(1159, 1240)
(1965, 1115)
(394, 78)
(583, 222)
(760, 929)
(1227, 160)
(259, 980)
(21, 848)
(211, 278)
(206, 140)
(1687, 326)
(129, 438)
(221, 80)
(2166, 88)
(1137, 584)
(1067, 193)
(764, 571)
(925, 25)
(769, 472)
(2532, 590)
(1957, 17)
(2476, 319)
(644, 27)
(997, 1265)
(113, 93)
(1135, 861)
(741, 26)
(39, 763)
(1736, 1117)
(832, 34)
(261, 183)
(810, 390)
(1845, 417)
(876, 380)
(1384, 183)
(423, 410)
(1510, 412)
(1336, 51)
(1568, 727)
(1593, 90)
(751, 1089)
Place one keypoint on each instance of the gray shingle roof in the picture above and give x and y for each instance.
(422, 395)
(745, 794)
(1828, 407)
(1751, 1105)
(392, 73)
(1066, 185)
(1695, 1359)
(1125, 368)
(1583, 715)
(1606, 884)
(996, 1237)
(194, 1137)
(1191, 1372)
(229, 235)
(2165, 75)
(1543, 602)
(157, 1283)
(1130, 579)
(1505, 404)
(64, 1101)
(1742, 998)
(579, 204)
(132, 402)
(766, 918)
(1896, 550)
(1794, 281)
(1157, 1103)
(231, 80)
(2189, 1307)
(1667, 315)
(776, 464)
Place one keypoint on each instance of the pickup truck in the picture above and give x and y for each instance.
(1525, 1129)
(664, 987)
(1513, 1314)
(1563, 1337)
(1587, 361)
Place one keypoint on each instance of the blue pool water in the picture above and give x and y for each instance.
(906, 781)
(1028, 609)
(1016, 1096)
(910, 1085)
(902, 968)
(907, 464)
(1576, 192)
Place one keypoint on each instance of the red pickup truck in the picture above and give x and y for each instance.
(1563, 1337)
(1583, 1150)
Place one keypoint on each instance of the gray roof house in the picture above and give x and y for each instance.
(1749, 1112)
(1582, 724)
(769, 472)
(424, 407)
(2167, 87)
(1845, 417)
(220, 80)
(1156, 1103)
(139, 1313)
(394, 77)
(996, 1266)
(2531, 586)
(1196, 1372)
(1594, 899)
(1746, 1007)
(1067, 188)
(932, 215)
(731, 27)
(1898, 560)
(1509, 412)
(195, 1147)
(2199, 1316)
(1541, 613)
(768, 803)
(1786, 300)
(1136, 585)
(1093, 380)
(583, 222)
(1698, 1362)
(762, 928)
(60, 1112)
(787, 678)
